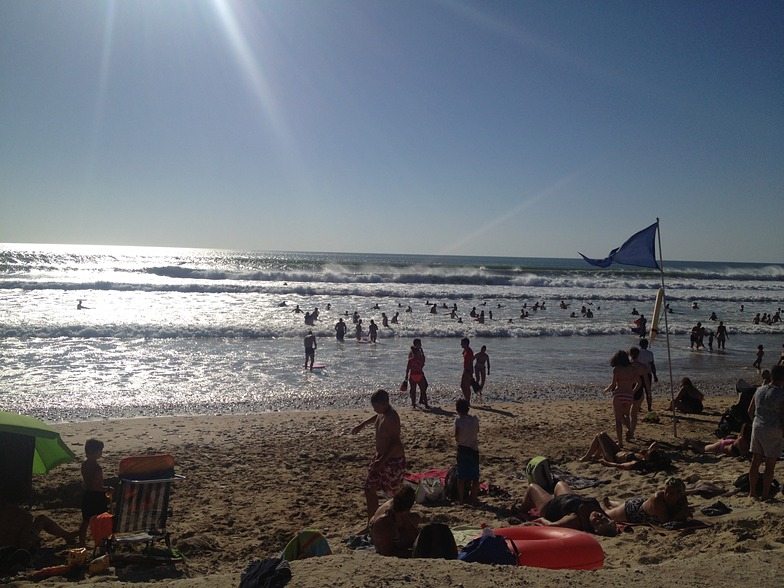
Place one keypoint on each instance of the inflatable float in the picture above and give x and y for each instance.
(555, 548)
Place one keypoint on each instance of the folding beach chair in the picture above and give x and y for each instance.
(142, 501)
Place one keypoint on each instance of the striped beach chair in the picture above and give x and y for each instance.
(142, 501)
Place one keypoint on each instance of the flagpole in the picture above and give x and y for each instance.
(667, 332)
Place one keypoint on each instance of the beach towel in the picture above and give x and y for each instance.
(463, 534)
(576, 482)
(414, 480)
(359, 542)
(689, 525)
(705, 489)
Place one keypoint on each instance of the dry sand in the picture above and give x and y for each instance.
(254, 480)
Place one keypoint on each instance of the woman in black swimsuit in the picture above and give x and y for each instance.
(566, 509)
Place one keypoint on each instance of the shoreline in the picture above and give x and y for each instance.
(504, 392)
(255, 480)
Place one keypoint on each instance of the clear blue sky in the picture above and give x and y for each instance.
(409, 126)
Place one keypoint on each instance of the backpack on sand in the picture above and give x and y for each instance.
(490, 549)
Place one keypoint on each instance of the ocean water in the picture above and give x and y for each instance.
(174, 331)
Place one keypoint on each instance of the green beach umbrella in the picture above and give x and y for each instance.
(50, 450)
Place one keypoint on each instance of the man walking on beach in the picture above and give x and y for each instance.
(310, 349)
(388, 465)
(468, 369)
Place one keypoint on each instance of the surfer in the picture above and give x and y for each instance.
(640, 323)
(310, 349)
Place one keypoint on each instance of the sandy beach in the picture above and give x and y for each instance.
(255, 480)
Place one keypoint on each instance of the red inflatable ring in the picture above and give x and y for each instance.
(555, 548)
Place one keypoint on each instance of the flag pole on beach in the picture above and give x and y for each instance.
(667, 333)
(640, 250)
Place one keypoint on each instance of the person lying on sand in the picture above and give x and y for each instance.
(668, 504)
(739, 447)
(394, 528)
(607, 452)
(563, 508)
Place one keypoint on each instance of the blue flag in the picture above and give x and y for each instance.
(639, 249)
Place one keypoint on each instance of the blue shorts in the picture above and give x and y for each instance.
(467, 463)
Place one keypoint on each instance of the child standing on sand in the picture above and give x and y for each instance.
(466, 437)
(760, 353)
(94, 501)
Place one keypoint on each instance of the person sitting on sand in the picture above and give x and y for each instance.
(664, 506)
(607, 452)
(19, 529)
(394, 528)
(739, 447)
(689, 398)
(563, 508)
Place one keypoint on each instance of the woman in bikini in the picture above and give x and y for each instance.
(669, 504)
(416, 376)
(625, 382)
(739, 447)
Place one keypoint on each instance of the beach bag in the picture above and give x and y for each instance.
(538, 472)
(429, 490)
(450, 484)
(490, 549)
(101, 527)
(272, 572)
(742, 484)
(404, 386)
